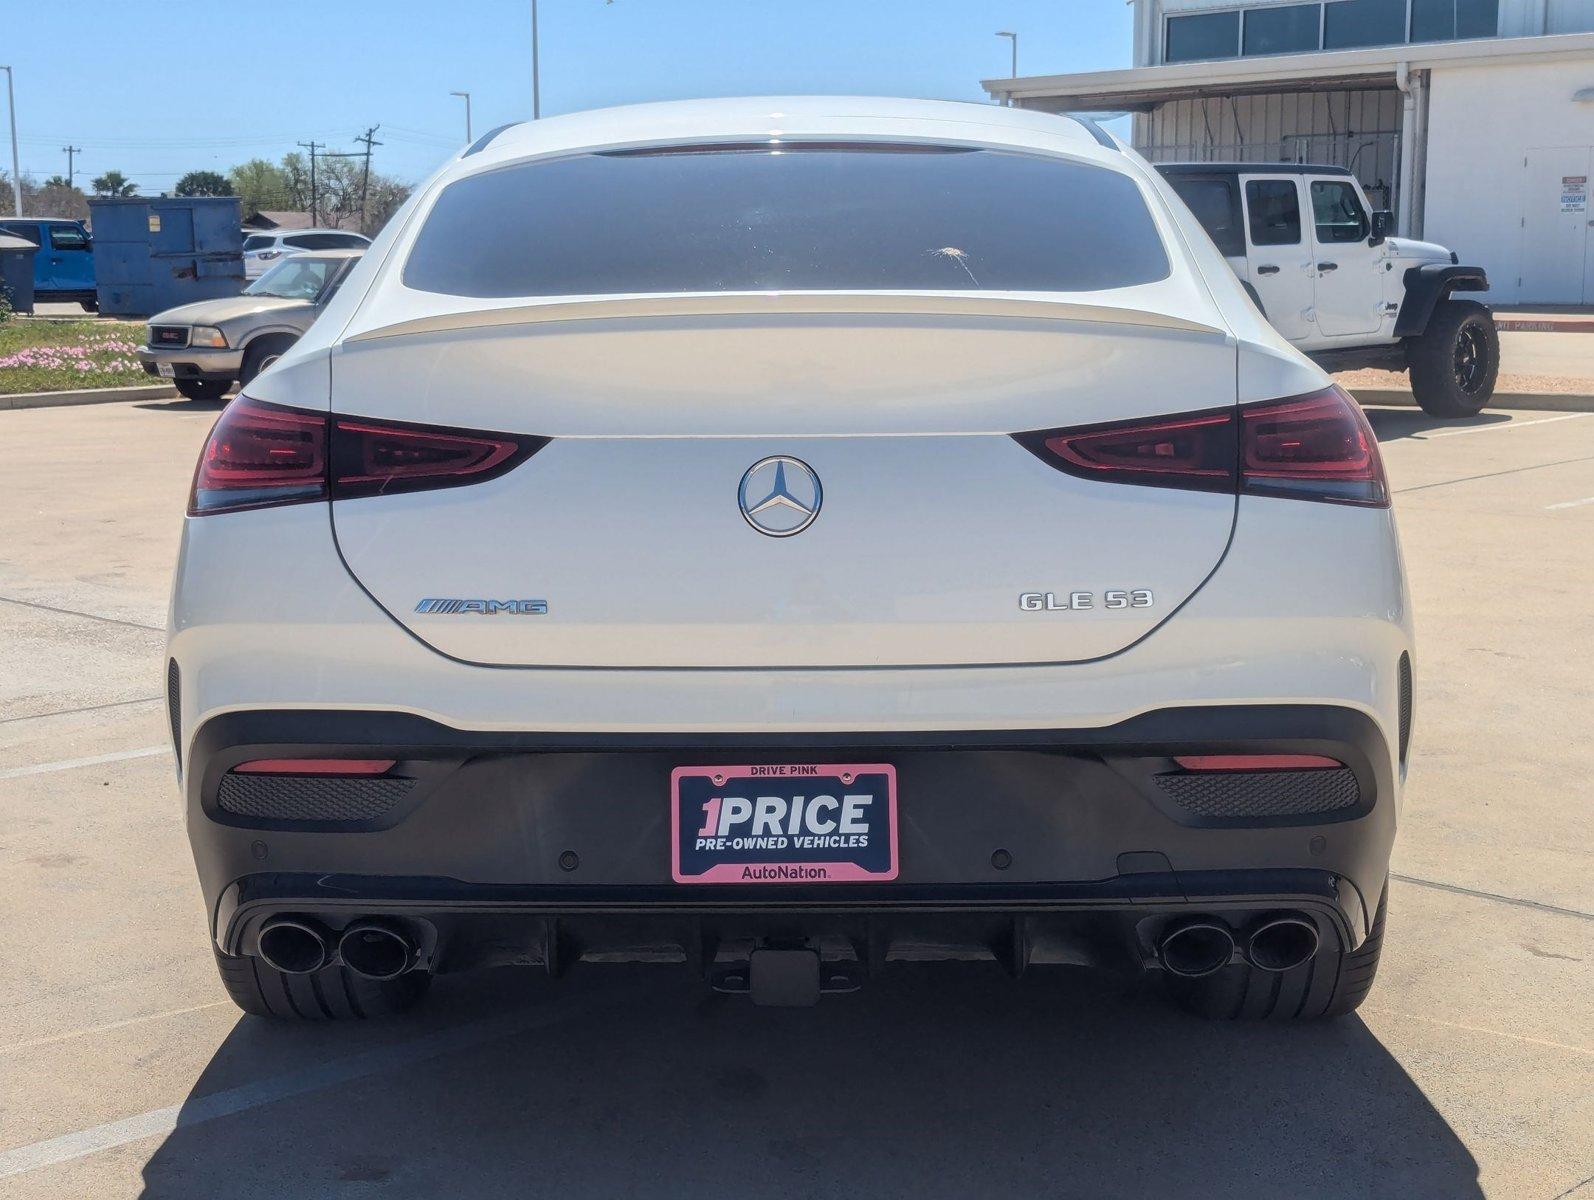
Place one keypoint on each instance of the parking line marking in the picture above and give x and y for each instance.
(33, 1043)
(94, 760)
(1474, 892)
(87, 616)
(1560, 462)
(1498, 425)
(71, 712)
(1570, 504)
(231, 1101)
(1500, 1033)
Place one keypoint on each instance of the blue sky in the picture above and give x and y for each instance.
(155, 88)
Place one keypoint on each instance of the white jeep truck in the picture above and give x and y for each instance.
(1338, 286)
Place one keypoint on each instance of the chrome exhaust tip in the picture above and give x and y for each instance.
(1196, 948)
(1281, 943)
(375, 950)
(292, 945)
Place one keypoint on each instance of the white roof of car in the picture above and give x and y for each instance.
(761, 117)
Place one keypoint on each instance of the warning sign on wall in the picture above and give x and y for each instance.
(1574, 193)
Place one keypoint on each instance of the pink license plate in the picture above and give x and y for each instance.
(784, 823)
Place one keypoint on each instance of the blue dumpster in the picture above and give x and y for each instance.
(16, 272)
(154, 253)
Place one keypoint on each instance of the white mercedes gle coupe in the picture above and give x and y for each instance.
(807, 533)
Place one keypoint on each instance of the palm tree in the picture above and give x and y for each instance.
(114, 183)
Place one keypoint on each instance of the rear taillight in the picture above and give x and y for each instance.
(1315, 447)
(261, 455)
(1194, 450)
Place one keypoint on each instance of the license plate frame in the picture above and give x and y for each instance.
(166, 370)
(876, 860)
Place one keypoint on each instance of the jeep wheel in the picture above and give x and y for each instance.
(1455, 362)
(1329, 984)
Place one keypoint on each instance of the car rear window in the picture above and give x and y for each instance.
(816, 217)
(258, 242)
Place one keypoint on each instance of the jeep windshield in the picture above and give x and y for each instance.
(798, 217)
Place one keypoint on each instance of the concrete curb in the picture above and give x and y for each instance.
(1549, 402)
(160, 391)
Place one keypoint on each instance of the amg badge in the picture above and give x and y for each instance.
(1112, 599)
(489, 608)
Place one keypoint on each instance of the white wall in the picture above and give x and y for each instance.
(1482, 121)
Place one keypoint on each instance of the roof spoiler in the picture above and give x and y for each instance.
(951, 304)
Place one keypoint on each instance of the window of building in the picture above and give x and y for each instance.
(1288, 28)
(1202, 35)
(1275, 212)
(1443, 20)
(1337, 212)
(1351, 23)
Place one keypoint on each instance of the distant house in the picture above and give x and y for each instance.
(270, 220)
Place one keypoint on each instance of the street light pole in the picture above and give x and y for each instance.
(466, 96)
(536, 83)
(1013, 37)
(16, 169)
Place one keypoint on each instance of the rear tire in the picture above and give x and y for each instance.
(330, 994)
(1455, 362)
(1329, 984)
(201, 389)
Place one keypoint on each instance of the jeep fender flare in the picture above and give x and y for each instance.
(1426, 286)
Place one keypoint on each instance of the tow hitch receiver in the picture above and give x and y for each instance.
(786, 978)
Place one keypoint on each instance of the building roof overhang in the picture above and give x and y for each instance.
(1141, 89)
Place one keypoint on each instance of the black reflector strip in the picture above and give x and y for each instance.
(310, 798)
(1241, 795)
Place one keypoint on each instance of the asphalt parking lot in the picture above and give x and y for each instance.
(124, 1071)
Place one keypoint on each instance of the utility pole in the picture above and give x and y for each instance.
(536, 83)
(365, 173)
(1013, 37)
(70, 151)
(466, 97)
(16, 169)
(314, 209)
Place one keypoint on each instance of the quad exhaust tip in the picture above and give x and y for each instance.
(1196, 948)
(375, 950)
(1281, 943)
(293, 946)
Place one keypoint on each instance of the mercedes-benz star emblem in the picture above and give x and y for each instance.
(780, 496)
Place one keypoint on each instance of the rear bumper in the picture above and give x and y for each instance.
(533, 847)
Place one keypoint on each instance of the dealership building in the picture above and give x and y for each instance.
(1473, 120)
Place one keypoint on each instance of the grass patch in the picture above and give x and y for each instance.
(59, 356)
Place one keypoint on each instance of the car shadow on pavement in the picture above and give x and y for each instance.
(948, 1081)
(1391, 424)
(184, 406)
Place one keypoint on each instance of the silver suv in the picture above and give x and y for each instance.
(262, 251)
